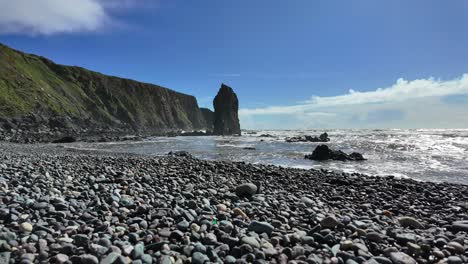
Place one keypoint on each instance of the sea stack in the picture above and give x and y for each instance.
(226, 106)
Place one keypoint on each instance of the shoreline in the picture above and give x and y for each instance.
(62, 205)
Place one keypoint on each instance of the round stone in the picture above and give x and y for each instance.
(410, 222)
(26, 227)
(199, 258)
(89, 259)
(61, 258)
(329, 222)
(401, 258)
(261, 227)
(246, 189)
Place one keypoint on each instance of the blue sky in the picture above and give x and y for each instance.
(293, 64)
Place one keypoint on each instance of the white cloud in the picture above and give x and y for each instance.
(58, 16)
(417, 103)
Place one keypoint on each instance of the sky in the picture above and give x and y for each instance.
(299, 64)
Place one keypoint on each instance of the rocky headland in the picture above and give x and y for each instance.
(60, 205)
(41, 101)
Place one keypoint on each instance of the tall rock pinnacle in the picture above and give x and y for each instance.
(226, 106)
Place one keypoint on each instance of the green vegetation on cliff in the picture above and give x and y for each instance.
(33, 85)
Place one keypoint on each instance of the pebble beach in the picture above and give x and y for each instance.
(73, 206)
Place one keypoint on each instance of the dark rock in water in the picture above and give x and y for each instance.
(226, 119)
(322, 138)
(249, 148)
(184, 154)
(266, 135)
(67, 139)
(323, 152)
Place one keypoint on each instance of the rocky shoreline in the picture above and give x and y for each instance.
(68, 206)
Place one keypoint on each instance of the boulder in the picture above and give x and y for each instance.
(226, 106)
(323, 152)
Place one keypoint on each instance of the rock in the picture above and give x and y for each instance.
(26, 227)
(246, 190)
(374, 237)
(81, 240)
(138, 251)
(89, 259)
(457, 247)
(322, 152)
(199, 258)
(307, 201)
(459, 226)
(5, 257)
(413, 249)
(61, 258)
(111, 258)
(454, 260)
(410, 222)
(401, 258)
(252, 241)
(238, 211)
(329, 222)
(261, 227)
(183, 225)
(226, 106)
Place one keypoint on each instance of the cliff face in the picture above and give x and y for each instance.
(39, 94)
(226, 105)
(208, 115)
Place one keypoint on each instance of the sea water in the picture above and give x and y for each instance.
(425, 154)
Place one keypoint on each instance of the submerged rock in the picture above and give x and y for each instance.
(323, 152)
(226, 106)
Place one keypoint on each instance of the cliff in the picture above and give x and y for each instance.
(209, 117)
(38, 95)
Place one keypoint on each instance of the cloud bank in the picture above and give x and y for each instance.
(421, 103)
(46, 17)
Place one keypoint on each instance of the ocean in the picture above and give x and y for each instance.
(424, 154)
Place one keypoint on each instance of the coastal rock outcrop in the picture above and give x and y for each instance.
(209, 117)
(226, 106)
(323, 152)
(42, 100)
(322, 138)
